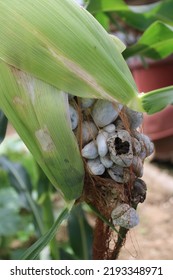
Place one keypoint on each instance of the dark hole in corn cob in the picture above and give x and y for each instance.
(121, 147)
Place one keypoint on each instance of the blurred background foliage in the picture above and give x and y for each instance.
(29, 206)
(146, 27)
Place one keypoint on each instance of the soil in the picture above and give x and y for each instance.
(153, 238)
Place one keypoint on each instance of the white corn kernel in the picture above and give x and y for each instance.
(73, 117)
(135, 118)
(125, 216)
(137, 166)
(89, 131)
(109, 128)
(87, 102)
(90, 151)
(106, 161)
(95, 166)
(102, 143)
(119, 174)
(105, 112)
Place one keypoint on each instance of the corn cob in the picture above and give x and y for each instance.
(59, 47)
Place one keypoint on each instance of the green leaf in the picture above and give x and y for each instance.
(139, 20)
(98, 214)
(3, 126)
(40, 115)
(106, 6)
(33, 252)
(62, 44)
(18, 175)
(19, 179)
(64, 255)
(10, 221)
(120, 45)
(156, 100)
(103, 20)
(156, 42)
(80, 234)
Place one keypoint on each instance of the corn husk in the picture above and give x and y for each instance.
(156, 100)
(40, 114)
(61, 43)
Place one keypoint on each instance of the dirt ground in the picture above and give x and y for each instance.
(153, 238)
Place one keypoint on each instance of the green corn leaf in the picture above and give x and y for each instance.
(32, 252)
(61, 43)
(156, 42)
(156, 100)
(103, 19)
(106, 6)
(100, 216)
(20, 181)
(10, 220)
(40, 114)
(119, 44)
(139, 20)
(80, 233)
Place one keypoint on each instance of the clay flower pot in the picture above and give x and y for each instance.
(159, 127)
(141, 2)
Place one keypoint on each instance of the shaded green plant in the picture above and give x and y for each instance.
(27, 211)
(151, 29)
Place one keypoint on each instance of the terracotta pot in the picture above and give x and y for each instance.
(159, 127)
(140, 2)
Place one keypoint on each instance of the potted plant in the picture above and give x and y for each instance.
(150, 66)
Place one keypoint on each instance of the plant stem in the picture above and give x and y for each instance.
(121, 239)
